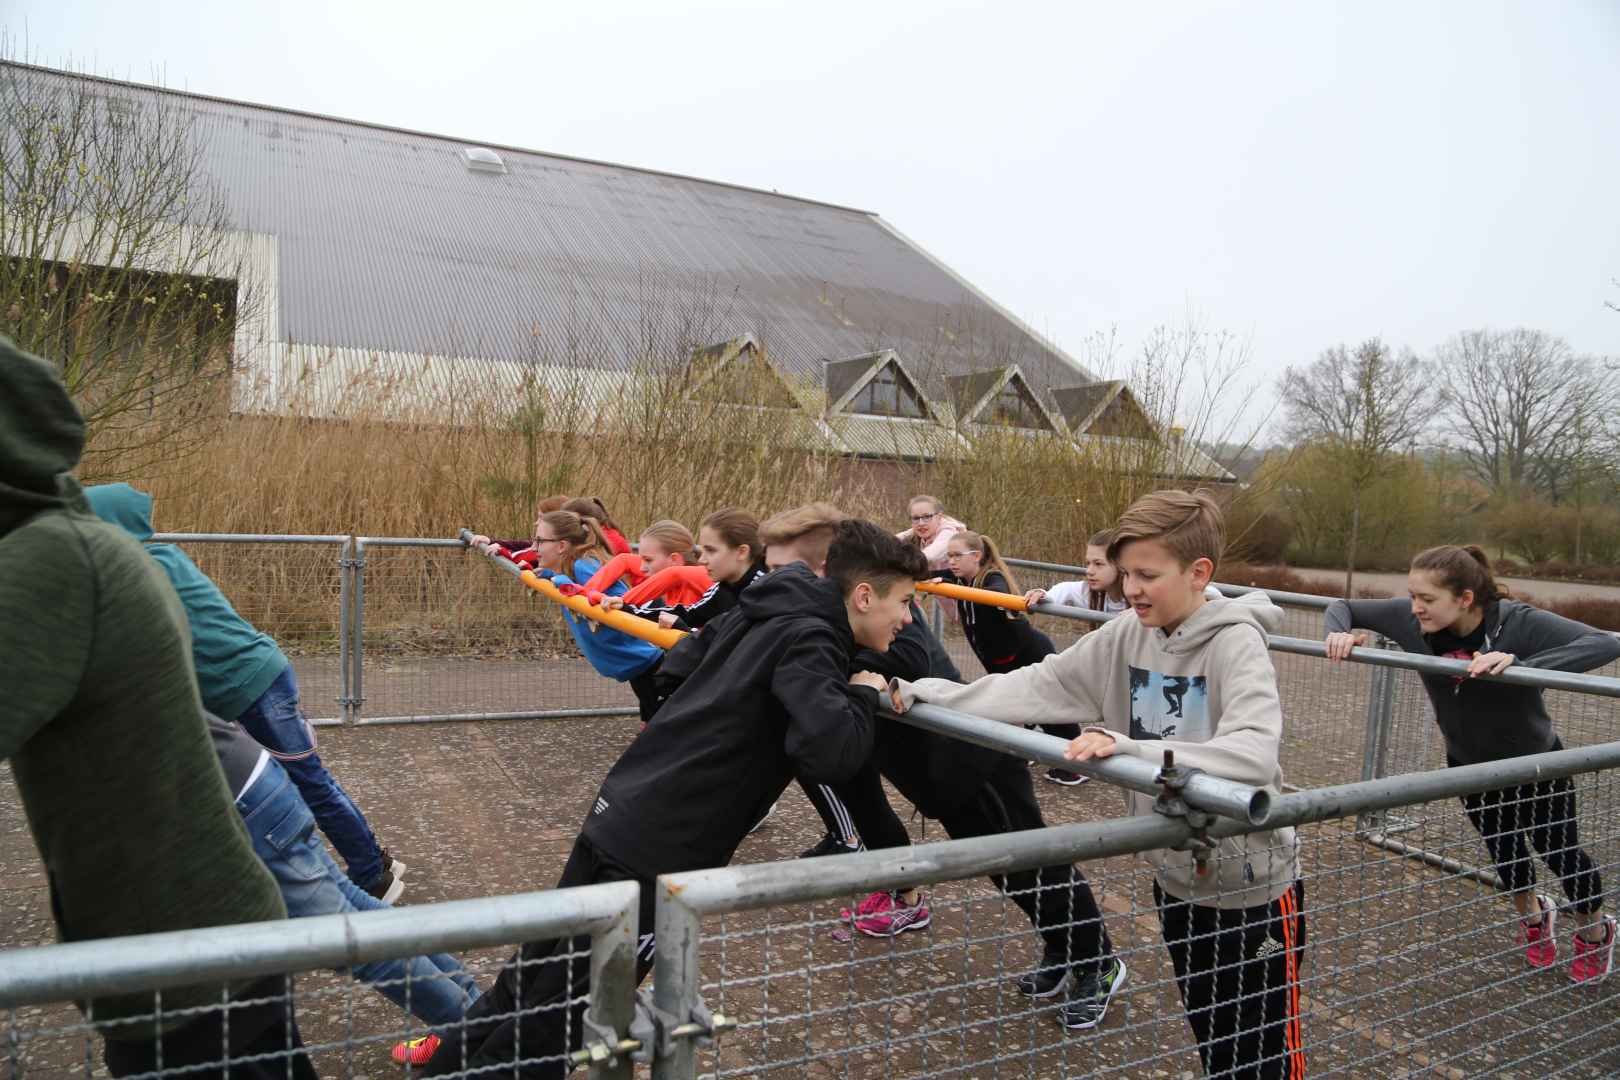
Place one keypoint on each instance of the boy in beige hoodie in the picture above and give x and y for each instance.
(1184, 671)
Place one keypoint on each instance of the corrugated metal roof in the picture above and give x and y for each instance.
(389, 242)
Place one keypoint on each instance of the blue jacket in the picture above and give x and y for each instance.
(235, 662)
(611, 652)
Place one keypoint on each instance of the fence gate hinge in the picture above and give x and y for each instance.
(1173, 780)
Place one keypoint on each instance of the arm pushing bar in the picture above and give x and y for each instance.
(618, 620)
(1202, 792)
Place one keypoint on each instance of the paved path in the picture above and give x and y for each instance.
(1545, 590)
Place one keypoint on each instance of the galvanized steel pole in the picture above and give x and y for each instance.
(80, 970)
(1202, 791)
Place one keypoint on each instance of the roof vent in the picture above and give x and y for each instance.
(482, 159)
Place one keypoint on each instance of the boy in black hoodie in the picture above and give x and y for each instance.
(765, 694)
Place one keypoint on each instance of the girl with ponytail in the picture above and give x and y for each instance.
(1456, 609)
(570, 550)
(1002, 639)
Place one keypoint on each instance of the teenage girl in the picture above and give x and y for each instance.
(1102, 589)
(1003, 640)
(589, 506)
(662, 572)
(1456, 609)
(729, 549)
(569, 549)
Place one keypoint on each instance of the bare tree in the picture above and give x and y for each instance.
(120, 264)
(1515, 399)
(1365, 406)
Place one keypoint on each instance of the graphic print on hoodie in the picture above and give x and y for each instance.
(1165, 706)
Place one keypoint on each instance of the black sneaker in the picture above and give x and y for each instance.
(1065, 777)
(1089, 997)
(1048, 980)
(830, 845)
(391, 864)
(387, 887)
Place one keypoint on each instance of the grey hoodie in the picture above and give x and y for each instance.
(1208, 688)
(1480, 719)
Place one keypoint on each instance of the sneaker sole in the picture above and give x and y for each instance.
(395, 891)
(1112, 992)
(920, 924)
(1069, 783)
(397, 868)
(1062, 985)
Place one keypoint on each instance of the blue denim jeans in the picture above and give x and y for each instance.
(435, 989)
(277, 722)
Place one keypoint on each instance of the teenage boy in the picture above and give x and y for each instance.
(1233, 927)
(971, 791)
(765, 693)
(245, 677)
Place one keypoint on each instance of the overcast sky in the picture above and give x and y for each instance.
(1299, 174)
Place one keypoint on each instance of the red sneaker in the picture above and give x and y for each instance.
(417, 1051)
(1540, 938)
(1592, 958)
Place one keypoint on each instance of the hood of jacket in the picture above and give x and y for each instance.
(119, 504)
(793, 591)
(41, 438)
(1252, 609)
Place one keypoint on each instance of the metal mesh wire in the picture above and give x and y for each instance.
(292, 592)
(446, 635)
(346, 1028)
(1406, 970)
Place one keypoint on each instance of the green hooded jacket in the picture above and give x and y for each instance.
(100, 718)
(235, 663)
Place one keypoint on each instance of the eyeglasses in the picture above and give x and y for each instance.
(549, 540)
(925, 517)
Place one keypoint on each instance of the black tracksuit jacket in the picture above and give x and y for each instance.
(763, 695)
(1001, 639)
(721, 598)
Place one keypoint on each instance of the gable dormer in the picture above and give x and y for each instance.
(1104, 408)
(1000, 397)
(737, 372)
(877, 384)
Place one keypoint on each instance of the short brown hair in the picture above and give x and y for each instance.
(817, 518)
(862, 551)
(552, 502)
(1188, 523)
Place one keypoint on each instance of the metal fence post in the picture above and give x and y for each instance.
(679, 929)
(345, 598)
(1375, 742)
(357, 628)
(613, 988)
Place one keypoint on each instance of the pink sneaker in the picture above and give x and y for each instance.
(1592, 958)
(1540, 938)
(874, 903)
(886, 916)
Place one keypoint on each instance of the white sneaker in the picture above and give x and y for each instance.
(754, 828)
